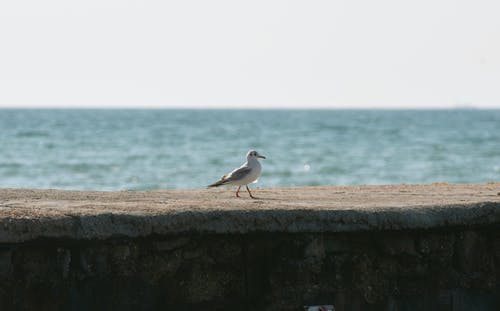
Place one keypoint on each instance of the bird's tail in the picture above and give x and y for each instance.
(222, 181)
(217, 184)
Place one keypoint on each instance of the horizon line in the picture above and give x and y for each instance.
(241, 108)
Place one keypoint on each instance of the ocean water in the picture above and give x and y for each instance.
(185, 149)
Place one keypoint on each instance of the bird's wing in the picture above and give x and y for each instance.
(237, 174)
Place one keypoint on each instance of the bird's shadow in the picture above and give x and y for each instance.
(257, 199)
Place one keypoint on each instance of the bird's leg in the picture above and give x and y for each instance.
(249, 192)
(237, 195)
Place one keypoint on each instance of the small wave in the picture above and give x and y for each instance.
(10, 170)
(85, 167)
(335, 128)
(32, 134)
(282, 173)
(11, 165)
(49, 145)
(134, 157)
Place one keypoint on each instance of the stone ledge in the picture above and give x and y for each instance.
(33, 214)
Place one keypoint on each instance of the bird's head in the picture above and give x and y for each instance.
(252, 154)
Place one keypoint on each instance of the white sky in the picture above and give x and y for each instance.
(331, 54)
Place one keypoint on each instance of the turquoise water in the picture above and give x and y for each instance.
(168, 149)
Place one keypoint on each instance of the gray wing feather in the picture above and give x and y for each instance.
(237, 174)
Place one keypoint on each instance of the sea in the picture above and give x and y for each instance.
(146, 149)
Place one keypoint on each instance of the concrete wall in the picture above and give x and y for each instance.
(452, 266)
(455, 269)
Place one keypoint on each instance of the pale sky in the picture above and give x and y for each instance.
(253, 54)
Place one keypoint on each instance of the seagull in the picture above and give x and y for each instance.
(248, 173)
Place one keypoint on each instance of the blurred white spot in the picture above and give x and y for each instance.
(496, 168)
(307, 167)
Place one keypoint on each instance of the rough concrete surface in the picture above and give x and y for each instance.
(32, 214)
(396, 248)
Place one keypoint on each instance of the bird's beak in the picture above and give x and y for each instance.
(261, 156)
